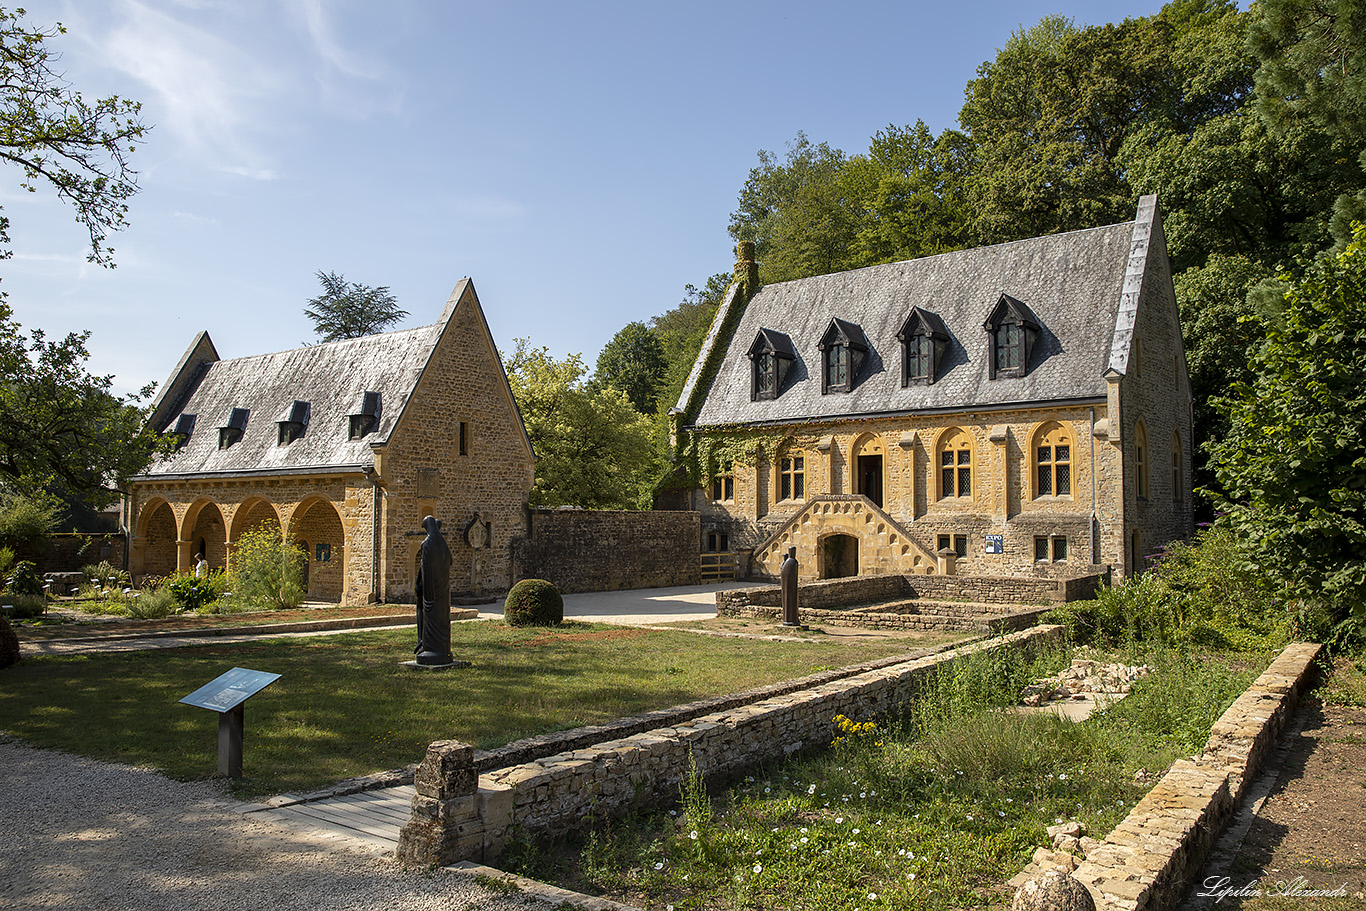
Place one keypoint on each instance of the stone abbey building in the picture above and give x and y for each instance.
(343, 447)
(1019, 409)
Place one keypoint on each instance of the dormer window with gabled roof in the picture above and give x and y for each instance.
(293, 422)
(367, 418)
(924, 339)
(1012, 329)
(232, 431)
(771, 356)
(844, 348)
(184, 426)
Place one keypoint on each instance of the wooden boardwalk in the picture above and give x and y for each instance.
(371, 819)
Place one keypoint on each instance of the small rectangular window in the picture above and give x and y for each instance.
(464, 438)
(945, 542)
(960, 546)
(1041, 549)
(1059, 549)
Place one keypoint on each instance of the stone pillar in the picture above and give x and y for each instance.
(445, 826)
(948, 562)
(184, 559)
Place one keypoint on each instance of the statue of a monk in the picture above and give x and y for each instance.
(434, 597)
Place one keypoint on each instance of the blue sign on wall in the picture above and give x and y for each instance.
(996, 544)
(230, 690)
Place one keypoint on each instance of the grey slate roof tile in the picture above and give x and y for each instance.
(1072, 282)
(332, 378)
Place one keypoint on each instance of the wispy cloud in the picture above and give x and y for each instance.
(352, 82)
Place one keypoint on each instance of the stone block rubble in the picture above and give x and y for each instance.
(1085, 677)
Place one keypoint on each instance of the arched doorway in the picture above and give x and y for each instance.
(838, 556)
(868, 453)
(158, 540)
(317, 526)
(208, 534)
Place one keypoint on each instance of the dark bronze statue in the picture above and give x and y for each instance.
(787, 575)
(434, 597)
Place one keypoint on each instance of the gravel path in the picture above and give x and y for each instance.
(83, 835)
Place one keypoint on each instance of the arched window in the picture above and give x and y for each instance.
(1141, 461)
(955, 464)
(1053, 450)
(792, 475)
(1178, 491)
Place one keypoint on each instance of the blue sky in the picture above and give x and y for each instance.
(578, 160)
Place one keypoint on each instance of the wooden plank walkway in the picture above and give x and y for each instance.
(370, 818)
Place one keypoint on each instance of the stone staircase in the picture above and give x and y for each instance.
(884, 546)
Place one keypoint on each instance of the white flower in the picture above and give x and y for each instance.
(693, 835)
(659, 865)
(1062, 776)
(803, 829)
(862, 794)
(839, 819)
(969, 817)
(766, 790)
(805, 839)
(811, 790)
(855, 832)
(872, 896)
(910, 876)
(758, 868)
(999, 813)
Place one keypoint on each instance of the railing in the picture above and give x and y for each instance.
(718, 567)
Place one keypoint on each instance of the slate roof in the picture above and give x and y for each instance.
(1072, 282)
(332, 378)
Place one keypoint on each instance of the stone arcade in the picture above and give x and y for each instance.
(1019, 409)
(343, 447)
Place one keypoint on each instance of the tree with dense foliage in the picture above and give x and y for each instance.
(593, 450)
(351, 310)
(78, 148)
(682, 329)
(1294, 461)
(61, 428)
(633, 361)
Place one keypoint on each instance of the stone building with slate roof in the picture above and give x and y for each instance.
(1019, 409)
(343, 447)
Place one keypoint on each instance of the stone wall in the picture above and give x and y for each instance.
(607, 550)
(67, 553)
(1149, 860)
(458, 818)
(844, 593)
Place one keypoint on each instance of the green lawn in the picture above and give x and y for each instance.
(345, 707)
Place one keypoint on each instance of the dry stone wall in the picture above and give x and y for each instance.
(453, 821)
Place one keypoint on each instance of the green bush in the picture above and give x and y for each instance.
(23, 579)
(193, 593)
(533, 602)
(107, 573)
(27, 520)
(25, 606)
(267, 572)
(9, 644)
(7, 561)
(153, 604)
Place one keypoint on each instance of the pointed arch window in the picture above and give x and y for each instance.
(1053, 448)
(924, 339)
(955, 465)
(1012, 329)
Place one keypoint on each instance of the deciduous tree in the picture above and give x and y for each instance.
(633, 361)
(78, 148)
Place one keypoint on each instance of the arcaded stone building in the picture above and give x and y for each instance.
(343, 447)
(1019, 409)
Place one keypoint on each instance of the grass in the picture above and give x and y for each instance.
(934, 810)
(344, 707)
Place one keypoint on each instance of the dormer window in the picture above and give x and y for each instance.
(771, 356)
(924, 339)
(843, 350)
(293, 422)
(184, 426)
(1012, 329)
(232, 431)
(367, 418)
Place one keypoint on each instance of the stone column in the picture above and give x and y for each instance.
(445, 826)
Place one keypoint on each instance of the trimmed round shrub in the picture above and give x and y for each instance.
(9, 644)
(533, 602)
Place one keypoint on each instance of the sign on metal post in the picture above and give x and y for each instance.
(225, 695)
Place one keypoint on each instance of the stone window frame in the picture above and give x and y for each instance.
(723, 483)
(958, 543)
(1141, 456)
(791, 470)
(1053, 433)
(1050, 548)
(947, 487)
(1178, 468)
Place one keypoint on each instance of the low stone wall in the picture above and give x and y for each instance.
(582, 550)
(69, 552)
(455, 818)
(1149, 860)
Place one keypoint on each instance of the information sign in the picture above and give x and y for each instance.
(230, 690)
(996, 544)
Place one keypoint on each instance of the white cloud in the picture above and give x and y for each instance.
(352, 83)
